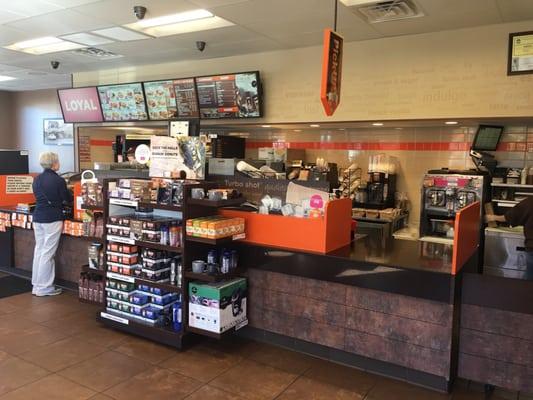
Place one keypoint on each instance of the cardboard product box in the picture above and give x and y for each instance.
(218, 307)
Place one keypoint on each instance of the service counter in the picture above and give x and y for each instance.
(384, 307)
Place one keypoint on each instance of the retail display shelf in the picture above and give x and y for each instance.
(511, 185)
(131, 279)
(120, 239)
(216, 242)
(204, 277)
(158, 246)
(152, 332)
(506, 201)
(91, 207)
(95, 239)
(123, 202)
(168, 207)
(217, 203)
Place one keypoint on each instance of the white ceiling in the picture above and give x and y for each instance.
(260, 25)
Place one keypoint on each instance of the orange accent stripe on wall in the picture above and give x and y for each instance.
(101, 142)
(386, 146)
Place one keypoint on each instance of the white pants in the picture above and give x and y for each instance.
(46, 241)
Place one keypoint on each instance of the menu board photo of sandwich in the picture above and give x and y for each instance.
(229, 96)
(171, 99)
(123, 102)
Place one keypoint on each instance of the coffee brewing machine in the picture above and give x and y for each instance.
(444, 193)
(381, 184)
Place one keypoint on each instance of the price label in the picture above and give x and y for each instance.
(114, 318)
(119, 277)
(239, 236)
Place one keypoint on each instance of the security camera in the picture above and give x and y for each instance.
(200, 45)
(139, 11)
(55, 64)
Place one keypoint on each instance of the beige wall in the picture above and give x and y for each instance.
(29, 110)
(7, 136)
(459, 73)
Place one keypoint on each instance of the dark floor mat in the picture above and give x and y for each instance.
(11, 285)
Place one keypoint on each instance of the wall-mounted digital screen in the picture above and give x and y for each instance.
(123, 102)
(230, 96)
(80, 105)
(171, 99)
(487, 138)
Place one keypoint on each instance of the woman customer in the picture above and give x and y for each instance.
(51, 193)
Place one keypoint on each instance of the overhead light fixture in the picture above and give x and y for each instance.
(44, 45)
(175, 24)
(314, 126)
(297, 130)
(120, 34)
(266, 126)
(97, 53)
(4, 78)
(87, 39)
(451, 122)
(377, 124)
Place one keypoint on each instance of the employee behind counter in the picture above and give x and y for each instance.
(521, 214)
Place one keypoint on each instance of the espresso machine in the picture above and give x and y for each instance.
(381, 183)
(444, 193)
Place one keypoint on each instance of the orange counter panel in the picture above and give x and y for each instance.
(318, 235)
(466, 238)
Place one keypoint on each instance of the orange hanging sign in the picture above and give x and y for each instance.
(330, 93)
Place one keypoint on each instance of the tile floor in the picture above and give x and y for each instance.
(52, 348)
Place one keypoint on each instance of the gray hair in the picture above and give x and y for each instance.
(48, 159)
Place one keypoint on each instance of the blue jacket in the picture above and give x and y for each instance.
(50, 192)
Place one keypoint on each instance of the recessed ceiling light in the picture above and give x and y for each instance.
(297, 130)
(266, 126)
(187, 26)
(4, 78)
(377, 124)
(87, 39)
(451, 122)
(120, 34)
(341, 129)
(43, 45)
(174, 18)
(314, 126)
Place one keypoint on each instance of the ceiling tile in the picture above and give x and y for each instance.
(120, 12)
(227, 34)
(58, 23)
(9, 35)
(70, 3)
(515, 10)
(28, 8)
(215, 3)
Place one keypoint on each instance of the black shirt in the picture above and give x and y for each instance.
(50, 192)
(522, 214)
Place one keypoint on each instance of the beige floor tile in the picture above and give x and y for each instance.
(29, 339)
(53, 387)
(387, 389)
(202, 363)
(146, 350)
(4, 356)
(254, 381)
(15, 373)
(305, 388)
(63, 354)
(103, 336)
(8, 308)
(104, 371)
(155, 383)
(27, 300)
(283, 359)
(340, 376)
(101, 396)
(210, 393)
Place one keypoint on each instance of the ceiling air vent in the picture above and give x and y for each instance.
(96, 53)
(391, 10)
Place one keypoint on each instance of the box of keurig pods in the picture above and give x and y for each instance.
(218, 307)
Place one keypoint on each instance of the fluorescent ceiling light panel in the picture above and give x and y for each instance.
(351, 3)
(87, 39)
(174, 18)
(120, 34)
(176, 24)
(4, 78)
(44, 45)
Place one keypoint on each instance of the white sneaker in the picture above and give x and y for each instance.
(53, 292)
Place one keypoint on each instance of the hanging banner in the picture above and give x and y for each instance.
(330, 93)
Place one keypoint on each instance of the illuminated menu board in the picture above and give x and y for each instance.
(229, 96)
(123, 102)
(171, 99)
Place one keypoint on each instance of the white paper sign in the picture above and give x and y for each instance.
(173, 156)
(17, 184)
